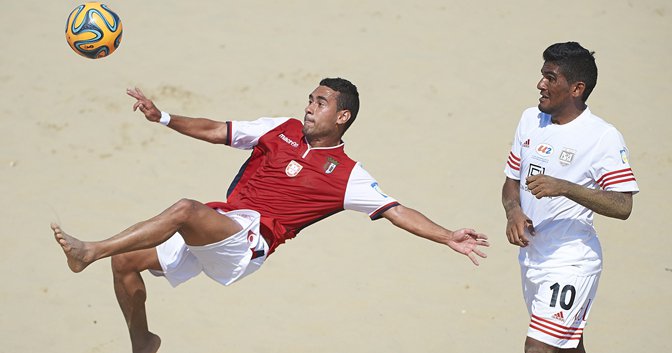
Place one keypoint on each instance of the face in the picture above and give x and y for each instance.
(322, 117)
(557, 95)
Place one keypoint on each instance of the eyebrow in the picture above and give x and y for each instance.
(310, 96)
(548, 72)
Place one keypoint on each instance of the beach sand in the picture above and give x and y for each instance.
(442, 86)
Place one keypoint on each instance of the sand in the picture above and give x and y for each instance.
(442, 87)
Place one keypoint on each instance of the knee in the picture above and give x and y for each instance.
(183, 209)
(124, 263)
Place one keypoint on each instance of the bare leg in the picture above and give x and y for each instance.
(132, 294)
(133, 251)
(534, 346)
(197, 223)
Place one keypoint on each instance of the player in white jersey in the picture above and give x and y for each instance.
(565, 164)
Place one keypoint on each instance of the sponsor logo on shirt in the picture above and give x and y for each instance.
(376, 187)
(544, 150)
(532, 169)
(526, 144)
(566, 156)
(535, 169)
(330, 165)
(624, 156)
(293, 169)
(288, 140)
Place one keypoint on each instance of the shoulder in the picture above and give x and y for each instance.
(532, 117)
(599, 126)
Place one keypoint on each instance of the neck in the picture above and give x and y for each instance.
(568, 115)
(325, 141)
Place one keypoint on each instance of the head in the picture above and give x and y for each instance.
(332, 108)
(569, 75)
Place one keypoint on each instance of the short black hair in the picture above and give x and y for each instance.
(348, 97)
(575, 62)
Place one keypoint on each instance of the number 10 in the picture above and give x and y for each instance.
(563, 296)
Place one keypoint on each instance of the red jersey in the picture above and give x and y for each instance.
(293, 185)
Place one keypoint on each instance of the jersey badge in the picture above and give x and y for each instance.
(624, 156)
(544, 150)
(535, 169)
(293, 169)
(330, 165)
(566, 156)
(526, 144)
(376, 187)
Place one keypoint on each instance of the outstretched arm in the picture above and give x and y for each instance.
(463, 241)
(200, 128)
(607, 203)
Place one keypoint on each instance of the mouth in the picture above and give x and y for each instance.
(543, 98)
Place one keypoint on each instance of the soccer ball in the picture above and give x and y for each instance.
(93, 30)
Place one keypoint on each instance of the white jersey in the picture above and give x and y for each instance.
(587, 151)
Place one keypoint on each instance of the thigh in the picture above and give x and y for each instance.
(205, 225)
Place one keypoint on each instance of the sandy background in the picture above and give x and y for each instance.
(442, 85)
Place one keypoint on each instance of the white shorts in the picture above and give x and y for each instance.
(225, 261)
(559, 303)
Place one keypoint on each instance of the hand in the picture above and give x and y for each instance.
(465, 241)
(146, 106)
(516, 225)
(543, 186)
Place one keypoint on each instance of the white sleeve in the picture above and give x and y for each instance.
(512, 167)
(245, 134)
(611, 167)
(364, 195)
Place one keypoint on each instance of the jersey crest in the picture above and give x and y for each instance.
(330, 165)
(293, 168)
(566, 156)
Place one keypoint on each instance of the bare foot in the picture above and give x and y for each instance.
(151, 345)
(78, 252)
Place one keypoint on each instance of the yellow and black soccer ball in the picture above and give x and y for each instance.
(93, 30)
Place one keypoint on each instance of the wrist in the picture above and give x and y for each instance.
(165, 118)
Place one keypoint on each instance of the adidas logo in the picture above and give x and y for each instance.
(526, 143)
(559, 316)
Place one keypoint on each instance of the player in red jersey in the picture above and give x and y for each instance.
(296, 175)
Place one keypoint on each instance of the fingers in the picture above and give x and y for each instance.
(135, 93)
(530, 226)
(480, 253)
(516, 235)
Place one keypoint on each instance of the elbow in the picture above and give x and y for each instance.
(625, 215)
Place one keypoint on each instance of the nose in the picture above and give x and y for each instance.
(541, 85)
(309, 108)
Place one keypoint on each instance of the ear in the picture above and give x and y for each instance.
(343, 117)
(578, 88)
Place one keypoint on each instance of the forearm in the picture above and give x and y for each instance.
(200, 128)
(416, 223)
(607, 203)
(510, 195)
